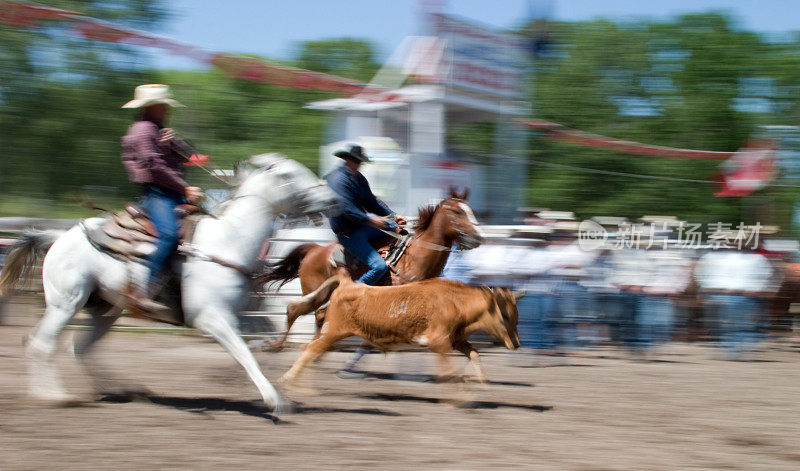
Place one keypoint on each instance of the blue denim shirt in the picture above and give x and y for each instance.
(356, 199)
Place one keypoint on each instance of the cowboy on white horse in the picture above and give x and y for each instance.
(215, 279)
(154, 165)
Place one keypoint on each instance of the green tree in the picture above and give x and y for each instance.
(60, 95)
(347, 57)
(674, 84)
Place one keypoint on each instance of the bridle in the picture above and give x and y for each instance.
(193, 251)
(461, 232)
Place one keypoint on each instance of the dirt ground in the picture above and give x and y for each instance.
(601, 410)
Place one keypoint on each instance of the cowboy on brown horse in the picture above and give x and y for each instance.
(355, 229)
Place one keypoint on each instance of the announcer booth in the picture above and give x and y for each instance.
(459, 73)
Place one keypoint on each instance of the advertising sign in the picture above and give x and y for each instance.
(480, 59)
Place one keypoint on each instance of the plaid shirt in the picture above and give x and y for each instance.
(150, 162)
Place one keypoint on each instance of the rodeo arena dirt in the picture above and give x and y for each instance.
(175, 399)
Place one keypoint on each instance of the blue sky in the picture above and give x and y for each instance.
(273, 28)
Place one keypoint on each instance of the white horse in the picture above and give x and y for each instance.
(74, 272)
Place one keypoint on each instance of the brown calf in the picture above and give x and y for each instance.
(440, 313)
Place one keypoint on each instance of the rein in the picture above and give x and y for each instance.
(429, 245)
(185, 150)
(192, 251)
(406, 244)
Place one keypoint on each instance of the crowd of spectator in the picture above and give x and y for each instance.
(639, 296)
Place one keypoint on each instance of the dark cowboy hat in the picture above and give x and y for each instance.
(356, 152)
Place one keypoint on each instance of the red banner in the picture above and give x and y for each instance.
(749, 170)
(27, 15)
(561, 133)
(30, 15)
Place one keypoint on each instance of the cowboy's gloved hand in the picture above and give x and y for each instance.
(402, 220)
(193, 194)
(390, 226)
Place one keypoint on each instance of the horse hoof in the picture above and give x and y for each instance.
(284, 407)
(291, 386)
(58, 400)
(450, 378)
(272, 347)
(351, 374)
(124, 396)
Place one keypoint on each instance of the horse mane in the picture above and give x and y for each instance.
(425, 217)
(426, 212)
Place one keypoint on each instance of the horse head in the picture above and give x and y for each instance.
(291, 189)
(460, 223)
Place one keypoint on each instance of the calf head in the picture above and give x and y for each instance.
(503, 313)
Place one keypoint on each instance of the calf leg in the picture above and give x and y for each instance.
(441, 345)
(319, 316)
(313, 350)
(463, 346)
(453, 394)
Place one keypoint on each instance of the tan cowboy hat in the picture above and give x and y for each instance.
(152, 94)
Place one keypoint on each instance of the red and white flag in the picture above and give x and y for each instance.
(748, 170)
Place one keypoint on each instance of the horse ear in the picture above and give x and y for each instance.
(241, 170)
(453, 193)
(465, 195)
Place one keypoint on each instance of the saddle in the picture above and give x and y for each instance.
(130, 235)
(391, 253)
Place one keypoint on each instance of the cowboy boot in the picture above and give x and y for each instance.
(142, 303)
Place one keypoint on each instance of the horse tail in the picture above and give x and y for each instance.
(285, 270)
(32, 244)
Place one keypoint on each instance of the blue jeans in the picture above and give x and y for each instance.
(654, 319)
(160, 205)
(537, 327)
(737, 318)
(359, 243)
(573, 305)
(609, 309)
(628, 311)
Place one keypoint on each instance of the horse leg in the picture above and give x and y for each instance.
(291, 317)
(307, 304)
(463, 346)
(44, 382)
(104, 315)
(292, 314)
(218, 323)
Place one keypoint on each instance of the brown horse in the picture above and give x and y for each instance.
(435, 231)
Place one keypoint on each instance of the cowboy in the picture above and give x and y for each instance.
(355, 228)
(154, 165)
